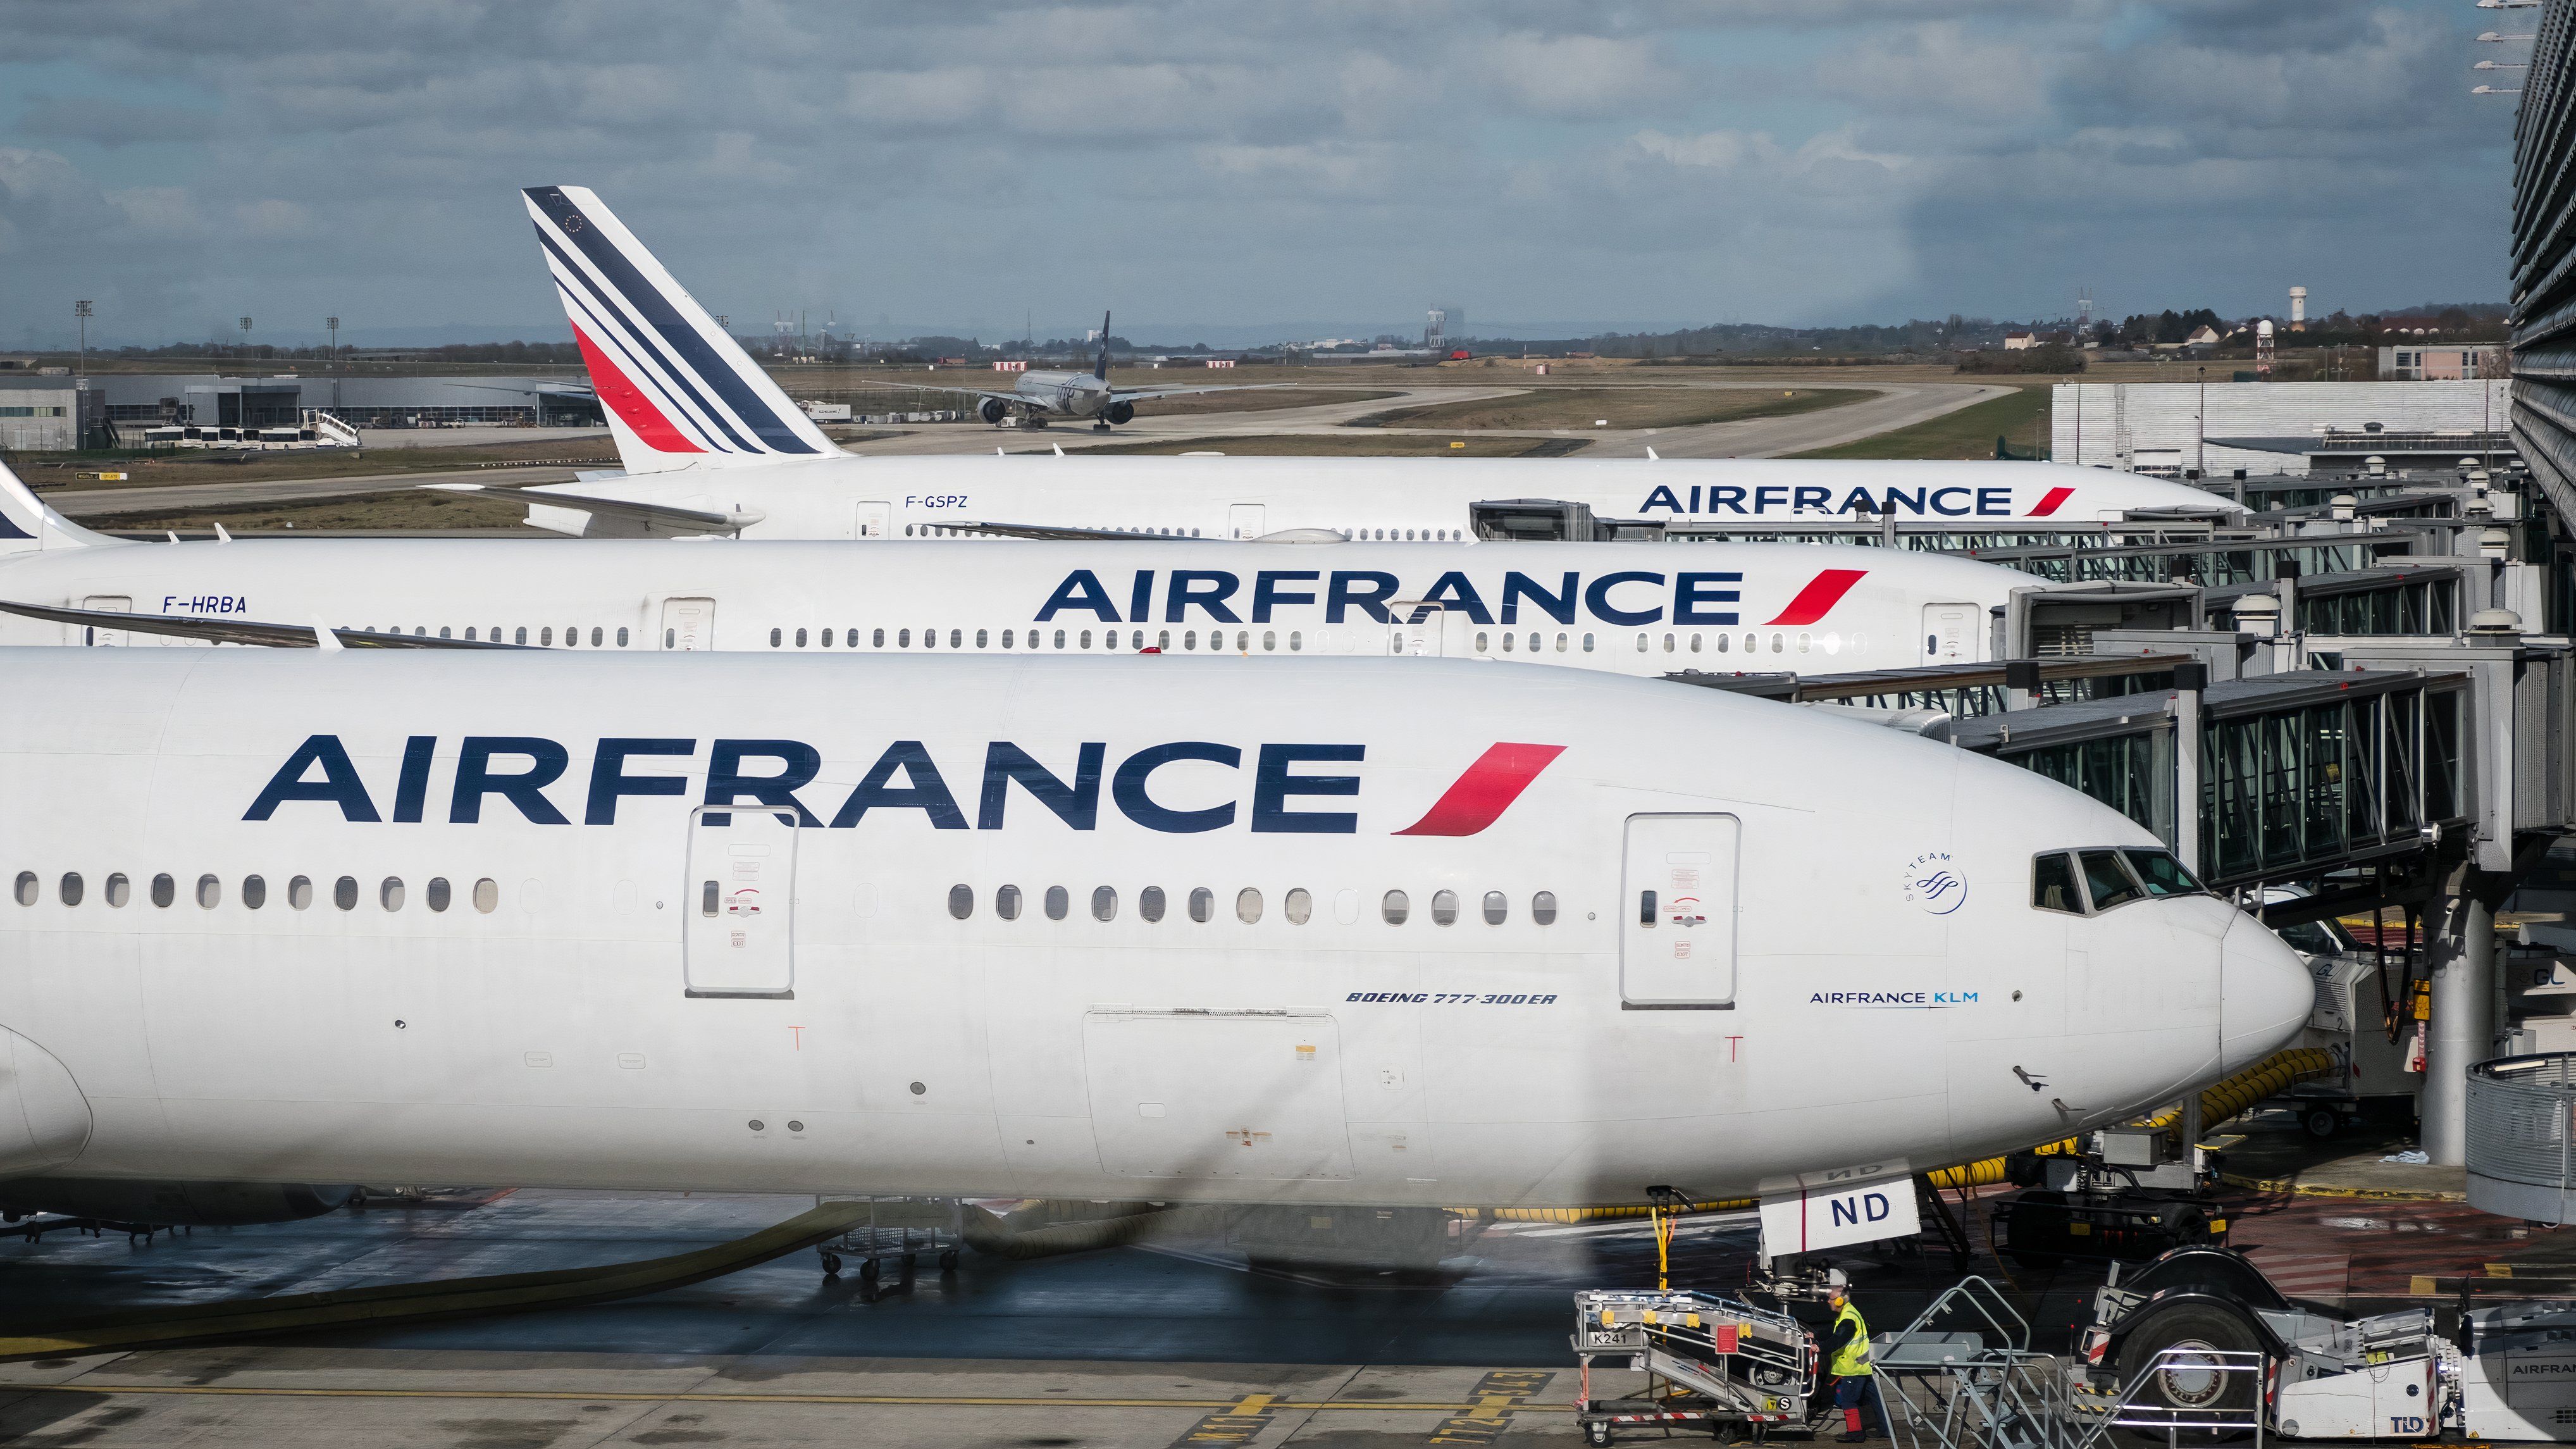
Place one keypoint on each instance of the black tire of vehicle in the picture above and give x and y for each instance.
(1596, 1433)
(2192, 1326)
(2322, 1123)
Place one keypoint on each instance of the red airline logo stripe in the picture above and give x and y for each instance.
(1819, 596)
(633, 408)
(1479, 797)
(2049, 501)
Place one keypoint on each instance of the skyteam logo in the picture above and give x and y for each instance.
(1931, 881)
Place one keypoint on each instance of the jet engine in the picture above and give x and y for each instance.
(169, 1204)
(991, 410)
(1119, 412)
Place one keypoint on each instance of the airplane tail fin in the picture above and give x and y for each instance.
(678, 391)
(27, 525)
(1100, 369)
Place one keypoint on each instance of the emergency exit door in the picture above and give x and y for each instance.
(871, 518)
(1243, 520)
(740, 933)
(1423, 630)
(1950, 633)
(1677, 937)
(688, 624)
(105, 604)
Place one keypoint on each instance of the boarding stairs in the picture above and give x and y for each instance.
(329, 428)
(1963, 1376)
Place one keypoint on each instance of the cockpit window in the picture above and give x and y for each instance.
(2052, 885)
(2109, 881)
(2161, 873)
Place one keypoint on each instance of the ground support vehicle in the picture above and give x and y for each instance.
(1708, 1360)
(2507, 1372)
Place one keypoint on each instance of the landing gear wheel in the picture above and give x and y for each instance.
(831, 1265)
(2184, 1344)
(1596, 1433)
(2321, 1122)
(948, 1260)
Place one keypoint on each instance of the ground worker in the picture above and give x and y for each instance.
(1847, 1363)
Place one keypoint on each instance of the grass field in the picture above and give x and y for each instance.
(406, 509)
(2020, 417)
(1334, 445)
(207, 465)
(1619, 407)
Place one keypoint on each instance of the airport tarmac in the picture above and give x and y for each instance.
(1889, 406)
(1177, 1343)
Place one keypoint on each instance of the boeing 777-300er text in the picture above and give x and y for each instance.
(709, 443)
(1623, 608)
(1316, 930)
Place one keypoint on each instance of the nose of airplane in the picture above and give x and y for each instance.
(2265, 995)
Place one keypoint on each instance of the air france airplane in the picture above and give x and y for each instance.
(710, 443)
(1621, 608)
(1313, 930)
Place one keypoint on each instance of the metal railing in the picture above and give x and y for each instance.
(2522, 1136)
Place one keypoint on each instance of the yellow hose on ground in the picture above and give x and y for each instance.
(2269, 1077)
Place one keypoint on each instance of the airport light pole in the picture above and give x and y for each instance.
(2200, 425)
(245, 331)
(333, 324)
(81, 310)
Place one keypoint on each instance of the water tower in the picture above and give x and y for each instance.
(2298, 309)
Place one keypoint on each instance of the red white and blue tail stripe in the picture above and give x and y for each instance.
(678, 392)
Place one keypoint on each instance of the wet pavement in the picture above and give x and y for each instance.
(1163, 1344)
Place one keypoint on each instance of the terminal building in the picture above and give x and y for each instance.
(133, 402)
(2215, 430)
(50, 413)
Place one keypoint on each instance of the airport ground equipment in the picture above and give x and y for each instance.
(1708, 1360)
(2508, 1373)
(2129, 1195)
(894, 1230)
(2521, 1119)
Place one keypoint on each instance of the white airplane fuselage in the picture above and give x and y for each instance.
(1621, 608)
(1370, 499)
(348, 917)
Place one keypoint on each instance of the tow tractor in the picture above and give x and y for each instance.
(2507, 1372)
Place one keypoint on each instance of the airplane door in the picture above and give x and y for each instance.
(871, 518)
(1950, 633)
(1244, 1094)
(688, 624)
(740, 932)
(1416, 629)
(105, 604)
(1243, 520)
(1677, 937)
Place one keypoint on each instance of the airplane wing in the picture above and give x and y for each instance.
(1130, 394)
(664, 517)
(240, 631)
(1008, 397)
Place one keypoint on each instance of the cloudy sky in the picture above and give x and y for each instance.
(1232, 171)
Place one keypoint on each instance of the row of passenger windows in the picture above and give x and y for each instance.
(117, 890)
(1135, 639)
(1270, 640)
(544, 635)
(1394, 908)
(2064, 880)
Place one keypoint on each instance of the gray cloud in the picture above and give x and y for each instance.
(1193, 162)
